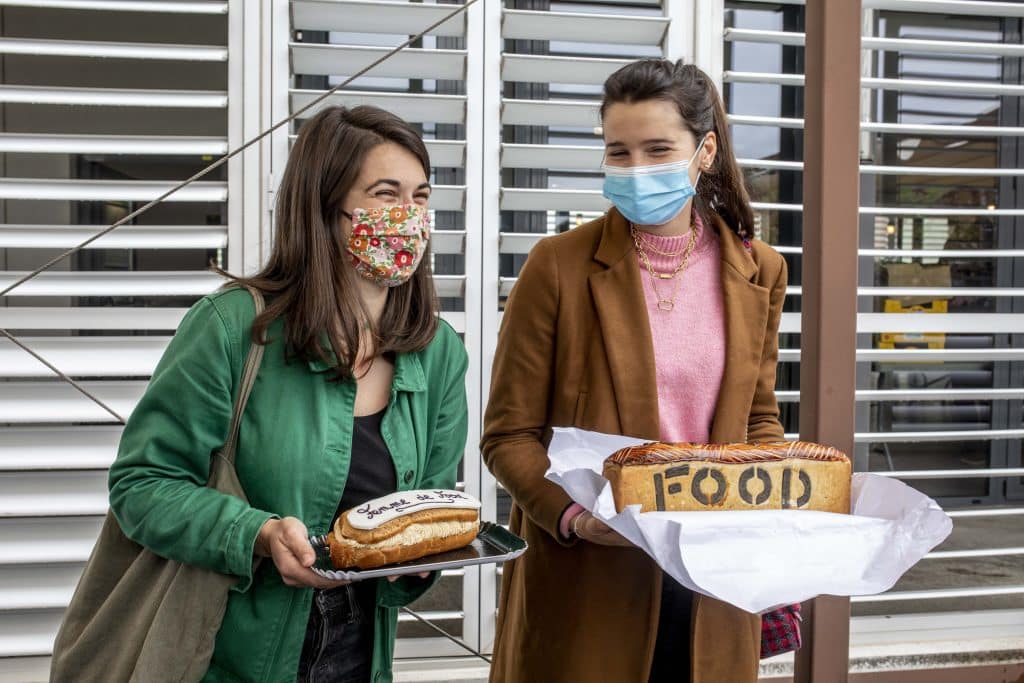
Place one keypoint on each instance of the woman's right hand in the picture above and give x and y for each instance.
(286, 541)
(590, 528)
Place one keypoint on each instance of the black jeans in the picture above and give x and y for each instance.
(672, 648)
(339, 636)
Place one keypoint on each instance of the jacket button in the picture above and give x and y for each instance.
(408, 476)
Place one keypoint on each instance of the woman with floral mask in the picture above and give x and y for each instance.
(361, 393)
(658, 320)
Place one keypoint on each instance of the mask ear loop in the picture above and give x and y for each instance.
(700, 146)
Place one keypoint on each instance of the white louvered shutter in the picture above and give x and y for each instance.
(939, 384)
(103, 106)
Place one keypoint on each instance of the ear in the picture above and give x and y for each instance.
(708, 152)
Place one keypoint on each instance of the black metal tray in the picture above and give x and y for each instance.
(493, 544)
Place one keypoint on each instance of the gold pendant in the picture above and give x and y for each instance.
(666, 276)
(665, 305)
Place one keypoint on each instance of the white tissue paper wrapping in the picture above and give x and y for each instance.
(763, 559)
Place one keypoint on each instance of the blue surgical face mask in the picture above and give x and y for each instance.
(651, 195)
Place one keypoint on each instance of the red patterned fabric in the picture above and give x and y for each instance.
(780, 631)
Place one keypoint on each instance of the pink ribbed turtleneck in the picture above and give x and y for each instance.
(689, 340)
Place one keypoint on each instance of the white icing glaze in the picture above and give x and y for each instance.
(374, 513)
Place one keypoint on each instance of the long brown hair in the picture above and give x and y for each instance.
(721, 189)
(307, 280)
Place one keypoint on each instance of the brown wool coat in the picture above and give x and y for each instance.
(575, 349)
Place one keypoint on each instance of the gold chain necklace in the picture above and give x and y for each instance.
(665, 303)
(650, 247)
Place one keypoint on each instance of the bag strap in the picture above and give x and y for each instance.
(249, 372)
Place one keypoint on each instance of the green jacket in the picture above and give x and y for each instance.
(293, 460)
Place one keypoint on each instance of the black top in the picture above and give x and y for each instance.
(371, 472)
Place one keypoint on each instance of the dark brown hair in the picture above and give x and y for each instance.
(721, 188)
(307, 280)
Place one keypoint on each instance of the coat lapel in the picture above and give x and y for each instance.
(746, 317)
(619, 300)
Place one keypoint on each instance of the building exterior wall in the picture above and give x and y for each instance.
(506, 95)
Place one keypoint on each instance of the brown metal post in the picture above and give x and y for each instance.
(828, 339)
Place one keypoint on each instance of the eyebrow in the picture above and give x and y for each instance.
(395, 184)
(645, 142)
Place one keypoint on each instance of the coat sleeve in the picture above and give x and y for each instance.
(157, 483)
(517, 415)
(763, 424)
(442, 465)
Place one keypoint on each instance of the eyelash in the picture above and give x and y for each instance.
(392, 193)
(654, 150)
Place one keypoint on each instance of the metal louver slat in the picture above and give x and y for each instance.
(589, 28)
(991, 323)
(899, 210)
(111, 144)
(897, 128)
(46, 586)
(884, 395)
(76, 48)
(939, 170)
(57, 402)
(448, 197)
(547, 69)
(32, 540)
(942, 212)
(124, 283)
(921, 355)
(106, 190)
(345, 60)
(940, 593)
(113, 97)
(83, 356)
(370, 16)
(967, 7)
(448, 241)
(450, 285)
(47, 494)
(519, 199)
(28, 633)
(164, 6)
(940, 395)
(443, 153)
(905, 45)
(550, 113)
(89, 318)
(984, 8)
(895, 84)
(58, 448)
(447, 153)
(568, 157)
(25, 236)
(417, 108)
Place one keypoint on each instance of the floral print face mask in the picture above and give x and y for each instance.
(388, 243)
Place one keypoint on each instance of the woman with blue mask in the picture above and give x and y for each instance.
(658, 320)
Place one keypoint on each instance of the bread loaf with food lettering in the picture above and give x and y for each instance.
(403, 526)
(795, 475)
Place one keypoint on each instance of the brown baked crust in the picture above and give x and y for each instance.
(688, 477)
(739, 453)
(348, 555)
(343, 529)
